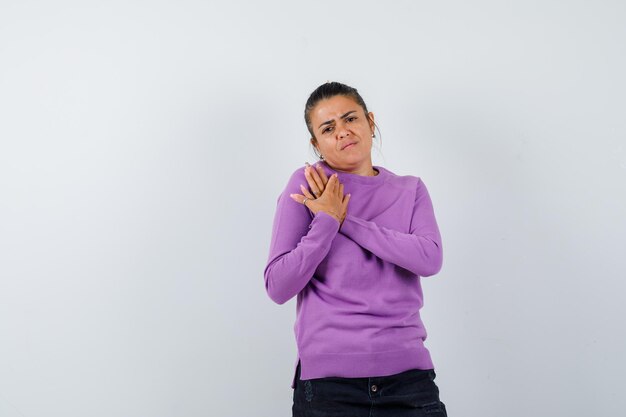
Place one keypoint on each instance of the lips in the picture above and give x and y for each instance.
(351, 143)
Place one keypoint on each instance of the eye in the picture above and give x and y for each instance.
(351, 118)
(328, 129)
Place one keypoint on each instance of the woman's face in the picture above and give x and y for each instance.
(343, 133)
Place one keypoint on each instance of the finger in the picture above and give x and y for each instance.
(344, 207)
(315, 182)
(322, 174)
(344, 203)
(306, 192)
(332, 184)
(329, 186)
(339, 190)
(298, 198)
(315, 188)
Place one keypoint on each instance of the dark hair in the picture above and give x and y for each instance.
(328, 90)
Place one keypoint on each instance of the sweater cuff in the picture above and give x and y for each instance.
(349, 226)
(324, 221)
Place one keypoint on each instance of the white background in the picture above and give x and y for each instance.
(143, 145)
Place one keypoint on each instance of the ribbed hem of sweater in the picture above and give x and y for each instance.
(359, 365)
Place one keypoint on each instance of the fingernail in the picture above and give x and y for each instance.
(306, 163)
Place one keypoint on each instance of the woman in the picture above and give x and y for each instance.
(353, 249)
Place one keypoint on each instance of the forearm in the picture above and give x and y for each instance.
(420, 254)
(289, 268)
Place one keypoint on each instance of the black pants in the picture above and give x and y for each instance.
(411, 393)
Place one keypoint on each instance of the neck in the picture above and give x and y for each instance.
(366, 170)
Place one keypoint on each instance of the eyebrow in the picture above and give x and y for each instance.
(331, 121)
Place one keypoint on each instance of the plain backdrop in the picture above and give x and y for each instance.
(143, 145)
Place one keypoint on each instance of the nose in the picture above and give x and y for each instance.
(342, 132)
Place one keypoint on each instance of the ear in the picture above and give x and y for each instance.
(314, 143)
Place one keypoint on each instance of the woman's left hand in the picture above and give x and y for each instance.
(316, 178)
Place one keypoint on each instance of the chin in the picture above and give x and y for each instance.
(348, 163)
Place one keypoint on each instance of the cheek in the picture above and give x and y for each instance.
(326, 146)
(367, 134)
(370, 141)
(366, 130)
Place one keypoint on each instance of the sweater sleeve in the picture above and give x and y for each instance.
(419, 251)
(300, 241)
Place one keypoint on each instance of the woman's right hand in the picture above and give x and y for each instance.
(332, 201)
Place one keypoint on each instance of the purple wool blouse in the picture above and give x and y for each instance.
(358, 286)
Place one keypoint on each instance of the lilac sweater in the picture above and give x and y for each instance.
(358, 287)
